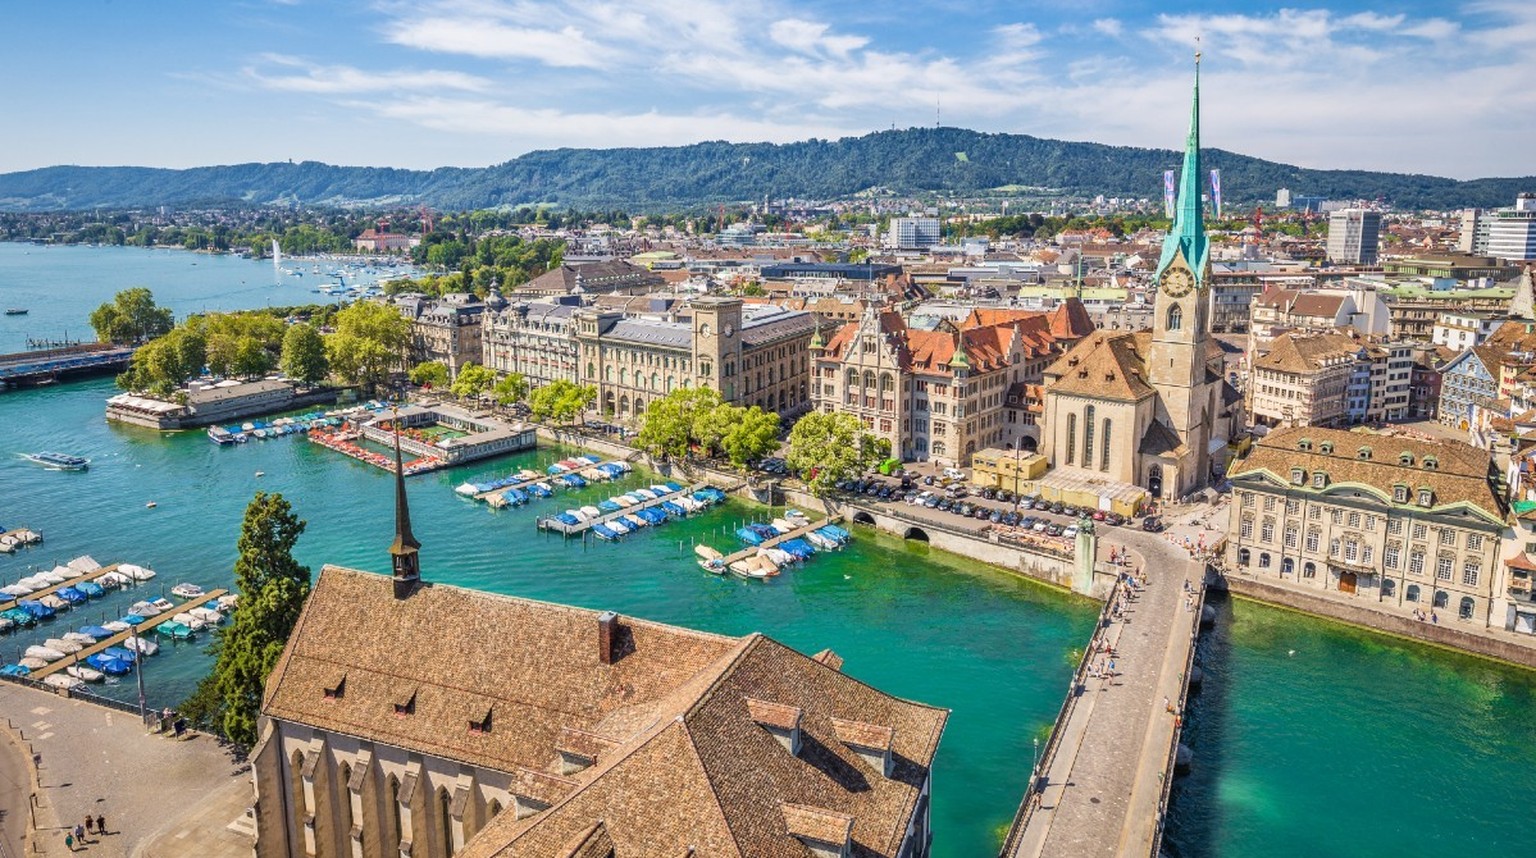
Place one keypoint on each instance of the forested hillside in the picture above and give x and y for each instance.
(918, 160)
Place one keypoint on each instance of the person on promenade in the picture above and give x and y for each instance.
(69, 840)
(80, 834)
(90, 822)
(101, 824)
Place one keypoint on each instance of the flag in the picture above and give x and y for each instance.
(1216, 191)
(1168, 192)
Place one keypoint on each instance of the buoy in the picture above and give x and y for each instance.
(150, 505)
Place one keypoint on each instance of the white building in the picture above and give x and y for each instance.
(1354, 236)
(1512, 232)
(1474, 232)
(913, 233)
(1462, 331)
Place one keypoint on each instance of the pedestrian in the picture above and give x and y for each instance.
(80, 834)
(90, 822)
(69, 840)
(1434, 618)
(1111, 667)
(101, 824)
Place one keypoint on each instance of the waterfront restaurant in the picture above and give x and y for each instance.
(451, 434)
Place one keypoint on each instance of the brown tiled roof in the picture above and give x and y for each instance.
(862, 734)
(774, 714)
(1460, 475)
(681, 762)
(816, 824)
(592, 843)
(1521, 561)
(1105, 365)
(1302, 353)
(1318, 304)
(1070, 320)
(829, 658)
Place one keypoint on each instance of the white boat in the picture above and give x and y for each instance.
(56, 575)
(796, 515)
(44, 653)
(55, 602)
(16, 591)
(779, 556)
(468, 490)
(783, 525)
(113, 580)
(187, 591)
(189, 621)
(228, 602)
(80, 671)
(116, 625)
(624, 500)
(707, 553)
(32, 662)
(636, 520)
(67, 647)
(35, 582)
(741, 568)
(61, 680)
(84, 563)
(207, 615)
(591, 511)
(821, 542)
(160, 605)
(80, 638)
(135, 573)
(144, 646)
(620, 526)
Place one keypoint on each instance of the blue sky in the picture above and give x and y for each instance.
(1441, 88)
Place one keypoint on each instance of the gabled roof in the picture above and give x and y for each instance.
(1106, 365)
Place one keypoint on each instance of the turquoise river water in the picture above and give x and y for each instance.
(1308, 737)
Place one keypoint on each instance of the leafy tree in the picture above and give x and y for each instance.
(473, 380)
(272, 588)
(753, 435)
(561, 401)
(668, 424)
(432, 373)
(370, 341)
(303, 357)
(513, 387)
(711, 423)
(131, 317)
(825, 448)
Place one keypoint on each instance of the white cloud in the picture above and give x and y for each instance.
(1109, 27)
(567, 47)
(290, 74)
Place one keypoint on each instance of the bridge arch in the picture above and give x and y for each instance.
(862, 517)
(916, 533)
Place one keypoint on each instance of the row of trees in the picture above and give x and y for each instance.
(695, 421)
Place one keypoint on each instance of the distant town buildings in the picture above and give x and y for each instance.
(913, 233)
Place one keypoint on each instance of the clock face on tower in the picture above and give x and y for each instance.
(1176, 282)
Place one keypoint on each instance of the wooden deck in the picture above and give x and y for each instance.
(141, 630)
(582, 527)
(783, 537)
(543, 478)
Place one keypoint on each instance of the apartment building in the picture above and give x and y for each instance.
(534, 338)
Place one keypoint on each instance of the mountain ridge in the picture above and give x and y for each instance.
(650, 179)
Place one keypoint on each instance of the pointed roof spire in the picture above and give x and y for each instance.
(1188, 232)
(404, 552)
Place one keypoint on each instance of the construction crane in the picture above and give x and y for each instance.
(1258, 219)
(426, 220)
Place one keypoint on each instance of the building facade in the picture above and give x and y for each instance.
(535, 338)
(1354, 236)
(448, 330)
(1512, 232)
(913, 233)
(1399, 524)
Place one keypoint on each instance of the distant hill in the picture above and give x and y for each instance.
(949, 160)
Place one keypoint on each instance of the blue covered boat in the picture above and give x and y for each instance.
(71, 595)
(15, 670)
(108, 665)
(540, 490)
(100, 633)
(573, 481)
(749, 536)
(121, 653)
(652, 515)
(567, 519)
(603, 531)
(608, 506)
(673, 509)
(516, 497)
(798, 547)
(832, 531)
(38, 610)
(91, 589)
(131, 619)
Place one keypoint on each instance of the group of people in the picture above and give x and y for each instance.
(1421, 616)
(93, 825)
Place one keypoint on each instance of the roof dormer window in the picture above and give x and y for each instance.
(1298, 476)
(1400, 493)
(1304, 444)
(481, 726)
(1327, 448)
(1431, 463)
(1426, 497)
(1320, 480)
(1405, 459)
(1363, 453)
(406, 706)
(336, 690)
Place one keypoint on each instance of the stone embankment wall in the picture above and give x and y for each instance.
(1443, 634)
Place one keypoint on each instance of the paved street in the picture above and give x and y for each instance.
(103, 762)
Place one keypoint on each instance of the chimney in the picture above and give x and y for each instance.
(781, 721)
(607, 626)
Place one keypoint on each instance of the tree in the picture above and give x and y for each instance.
(473, 380)
(432, 373)
(513, 387)
(561, 401)
(303, 357)
(370, 342)
(131, 317)
(711, 423)
(668, 425)
(753, 435)
(272, 588)
(826, 448)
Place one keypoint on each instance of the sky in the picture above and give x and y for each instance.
(1445, 88)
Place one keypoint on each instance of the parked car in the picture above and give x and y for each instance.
(1071, 510)
(928, 480)
(1070, 531)
(1056, 508)
(1005, 496)
(1099, 515)
(1040, 526)
(932, 502)
(954, 473)
(1115, 518)
(1053, 530)
(946, 504)
(1151, 525)
(989, 493)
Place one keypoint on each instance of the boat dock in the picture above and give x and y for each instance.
(582, 527)
(552, 479)
(7, 602)
(783, 537)
(26, 369)
(141, 629)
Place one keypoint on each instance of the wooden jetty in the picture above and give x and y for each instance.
(584, 526)
(140, 630)
(783, 537)
(9, 602)
(541, 478)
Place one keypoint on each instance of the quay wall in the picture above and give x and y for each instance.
(1444, 635)
(222, 415)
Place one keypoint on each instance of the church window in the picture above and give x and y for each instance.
(1175, 317)
(1088, 437)
(1104, 454)
(1071, 438)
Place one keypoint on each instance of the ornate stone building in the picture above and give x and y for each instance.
(942, 394)
(457, 722)
(1150, 408)
(1398, 523)
(760, 357)
(447, 330)
(535, 338)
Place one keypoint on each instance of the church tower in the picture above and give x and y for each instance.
(1177, 358)
(404, 552)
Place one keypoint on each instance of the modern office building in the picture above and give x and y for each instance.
(1354, 236)
(913, 233)
(1512, 232)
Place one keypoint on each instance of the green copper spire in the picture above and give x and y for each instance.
(1188, 232)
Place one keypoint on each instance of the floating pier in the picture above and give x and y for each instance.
(8, 602)
(148, 626)
(798, 532)
(25, 369)
(582, 527)
(552, 479)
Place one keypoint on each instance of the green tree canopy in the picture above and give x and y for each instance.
(754, 433)
(561, 401)
(825, 448)
(432, 373)
(370, 342)
(473, 380)
(131, 317)
(513, 387)
(303, 357)
(273, 587)
(672, 422)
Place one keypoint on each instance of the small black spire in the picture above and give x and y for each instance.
(405, 550)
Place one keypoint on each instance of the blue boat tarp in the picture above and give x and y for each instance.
(97, 632)
(749, 536)
(567, 519)
(38, 610)
(108, 665)
(603, 531)
(70, 595)
(798, 547)
(15, 670)
(91, 589)
(673, 509)
(121, 653)
(131, 619)
(609, 506)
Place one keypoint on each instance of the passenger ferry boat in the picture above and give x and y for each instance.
(59, 461)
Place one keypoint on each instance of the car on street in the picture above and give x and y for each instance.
(1151, 524)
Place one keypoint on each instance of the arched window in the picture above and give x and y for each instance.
(1242, 556)
(1287, 566)
(1104, 454)
(1264, 560)
(1088, 437)
(1412, 593)
(1071, 438)
(1468, 604)
(887, 384)
(1175, 317)
(608, 373)
(445, 819)
(1442, 598)
(591, 370)
(1388, 587)
(1309, 570)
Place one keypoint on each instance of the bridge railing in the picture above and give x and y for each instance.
(1178, 723)
(1028, 806)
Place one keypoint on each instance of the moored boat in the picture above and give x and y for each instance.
(45, 653)
(59, 461)
(88, 674)
(187, 590)
(62, 681)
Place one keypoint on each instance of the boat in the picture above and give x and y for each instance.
(32, 663)
(821, 542)
(62, 681)
(207, 615)
(15, 670)
(91, 589)
(636, 520)
(89, 674)
(191, 622)
(98, 632)
(65, 646)
(174, 630)
(221, 436)
(81, 638)
(137, 573)
(112, 580)
(16, 591)
(72, 595)
(56, 575)
(43, 652)
(121, 654)
(38, 610)
(144, 646)
(620, 526)
(54, 601)
(16, 311)
(603, 531)
(108, 665)
(187, 591)
(705, 552)
(160, 605)
(59, 461)
(783, 525)
(116, 626)
(749, 536)
(741, 568)
(227, 602)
